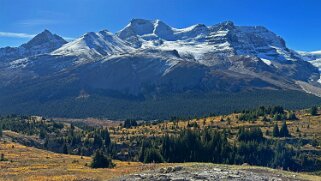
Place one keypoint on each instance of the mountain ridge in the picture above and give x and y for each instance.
(148, 58)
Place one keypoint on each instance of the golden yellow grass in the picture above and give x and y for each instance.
(309, 126)
(27, 163)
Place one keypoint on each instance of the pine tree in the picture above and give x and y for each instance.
(314, 111)
(65, 149)
(42, 134)
(265, 119)
(277, 117)
(292, 116)
(276, 132)
(45, 145)
(153, 156)
(129, 123)
(142, 152)
(98, 142)
(284, 132)
(100, 161)
(1, 131)
(105, 135)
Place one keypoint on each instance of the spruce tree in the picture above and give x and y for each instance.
(265, 119)
(276, 132)
(65, 149)
(45, 145)
(314, 111)
(42, 134)
(142, 152)
(1, 131)
(153, 156)
(100, 161)
(98, 142)
(105, 135)
(284, 132)
(129, 123)
(292, 116)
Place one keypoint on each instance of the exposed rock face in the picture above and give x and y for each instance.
(207, 172)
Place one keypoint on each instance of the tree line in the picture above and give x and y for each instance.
(213, 146)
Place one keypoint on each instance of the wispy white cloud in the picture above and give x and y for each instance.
(16, 35)
(25, 35)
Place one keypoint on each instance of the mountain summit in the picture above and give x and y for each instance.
(150, 59)
(44, 42)
(92, 46)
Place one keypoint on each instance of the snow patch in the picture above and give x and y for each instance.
(266, 61)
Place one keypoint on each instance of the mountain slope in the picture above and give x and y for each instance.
(213, 45)
(148, 59)
(92, 46)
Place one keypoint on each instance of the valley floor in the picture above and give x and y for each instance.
(27, 163)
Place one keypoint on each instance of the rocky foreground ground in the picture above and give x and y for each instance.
(203, 172)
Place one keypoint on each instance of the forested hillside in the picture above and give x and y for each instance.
(266, 136)
(149, 107)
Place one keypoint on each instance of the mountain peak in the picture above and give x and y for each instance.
(228, 23)
(93, 45)
(225, 25)
(140, 21)
(157, 29)
(46, 34)
(45, 37)
(141, 26)
(45, 31)
(42, 43)
(105, 32)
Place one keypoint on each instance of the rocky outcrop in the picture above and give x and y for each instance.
(209, 172)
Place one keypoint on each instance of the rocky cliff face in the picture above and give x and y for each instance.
(148, 57)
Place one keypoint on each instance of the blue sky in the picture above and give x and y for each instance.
(297, 21)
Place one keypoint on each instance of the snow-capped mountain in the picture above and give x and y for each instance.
(239, 49)
(44, 42)
(93, 46)
(150, 58)
(222, 39)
